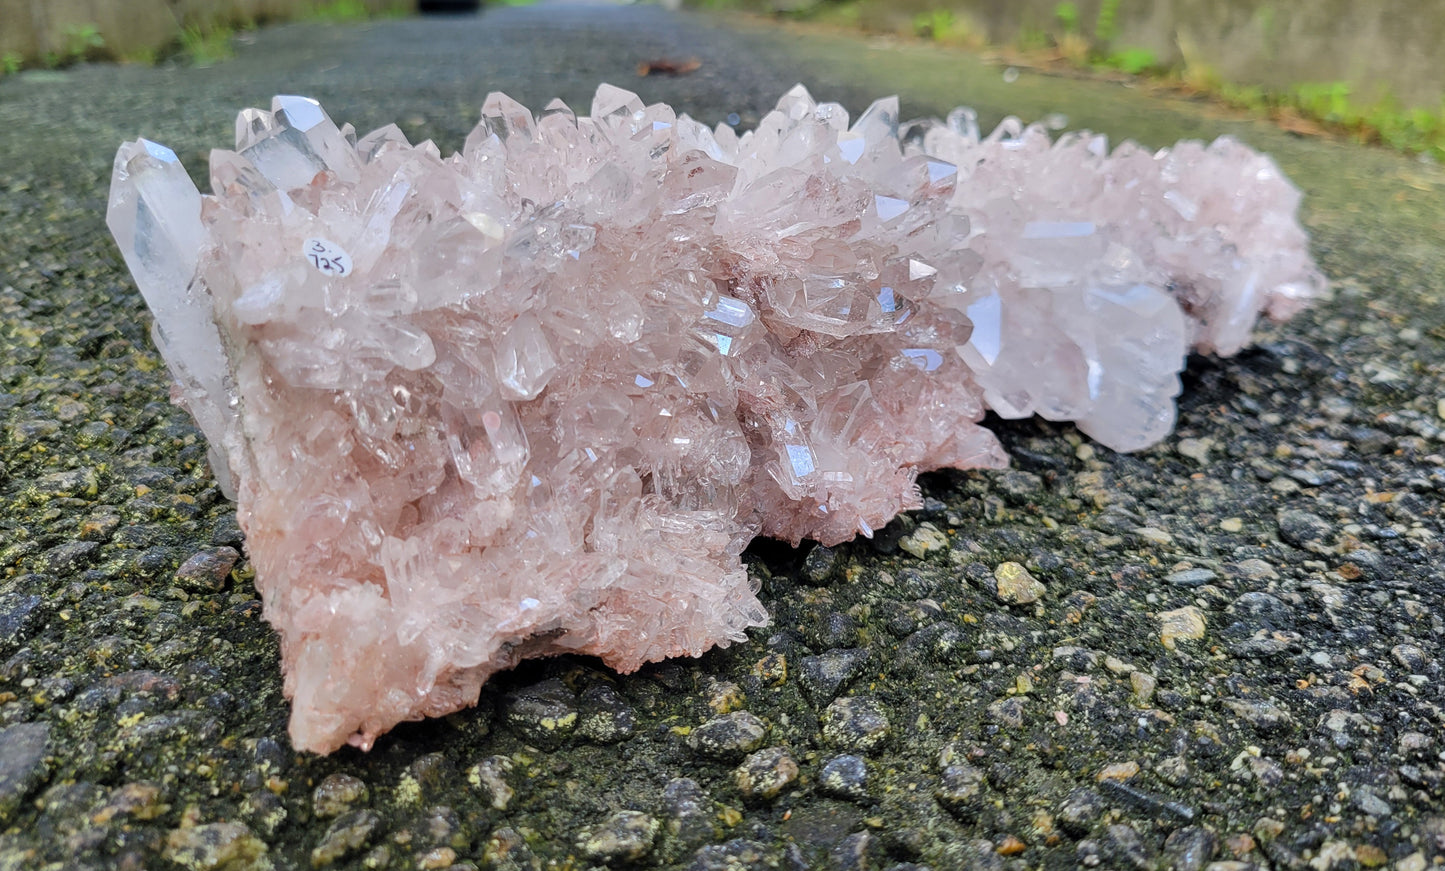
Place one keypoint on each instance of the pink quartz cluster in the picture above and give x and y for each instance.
(535, 397)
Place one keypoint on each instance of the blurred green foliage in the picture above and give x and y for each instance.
(203, 47)
(1068, 17)
(1134, 61)
(1106, 26)
(940, 25)
(81, 42)
(202, 43)
(1067, 38)
(349, 10)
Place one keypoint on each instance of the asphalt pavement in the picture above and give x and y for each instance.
(1235, 662)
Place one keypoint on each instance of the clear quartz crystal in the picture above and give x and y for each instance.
(535, 398)
(155, 216)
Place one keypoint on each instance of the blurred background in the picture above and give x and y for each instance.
(1369, 69)
(1379, 49)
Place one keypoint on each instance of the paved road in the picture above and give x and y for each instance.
(1298, 509)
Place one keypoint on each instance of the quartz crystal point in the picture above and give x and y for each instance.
(535, 397)
(154, 214)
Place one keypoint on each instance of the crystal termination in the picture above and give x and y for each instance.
(535, 397)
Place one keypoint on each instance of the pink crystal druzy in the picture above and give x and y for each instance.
(535, 397)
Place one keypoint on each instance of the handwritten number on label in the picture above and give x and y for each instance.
(327, 257)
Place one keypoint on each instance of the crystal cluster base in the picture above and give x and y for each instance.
(535, 397)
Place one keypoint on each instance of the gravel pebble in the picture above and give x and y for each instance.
(730, 736)
(23, 765)
(207, 571)
(1303, 529)
(1266, 717)
(544, 714)
(217, 847)
(1013, 585)
(264, 812)
(490, 777)
(1181, 624)
(21, 616)
(856, 724)
(766, 773)
(1123, 847)
(690, 820)
(337, 794)
(844, 776)
(961, 790)
(827, 674)
(821, 565)
(345, 837)
(606, 717)
(1412, 658)
(1190, 578)
(622, 838)
(1190, 848)
(1079, 810)
(70, 557)
(924, 540)
(734, 855)
(425, 779)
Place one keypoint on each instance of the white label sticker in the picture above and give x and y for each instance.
(329, 258)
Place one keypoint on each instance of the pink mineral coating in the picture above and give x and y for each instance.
(555, 383)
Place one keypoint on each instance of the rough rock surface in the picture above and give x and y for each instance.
(536, 397)
(165, 703)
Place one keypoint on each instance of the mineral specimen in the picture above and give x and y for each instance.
(535, 397)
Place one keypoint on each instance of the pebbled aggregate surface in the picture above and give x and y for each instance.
(1221, 653)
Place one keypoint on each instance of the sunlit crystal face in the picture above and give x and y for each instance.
(534, 398)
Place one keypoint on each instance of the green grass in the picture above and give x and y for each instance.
(1106, 25)
(204, 47)
(1305, 108)
(1067, 14)
(933, 24)
(337, 10)
(1329, 106)
(197, 44)
(1333, 105)
(939, 25)
(348, 10)
(82, 41)
(1327, 102)
(1415, 131)
(1134, 61)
